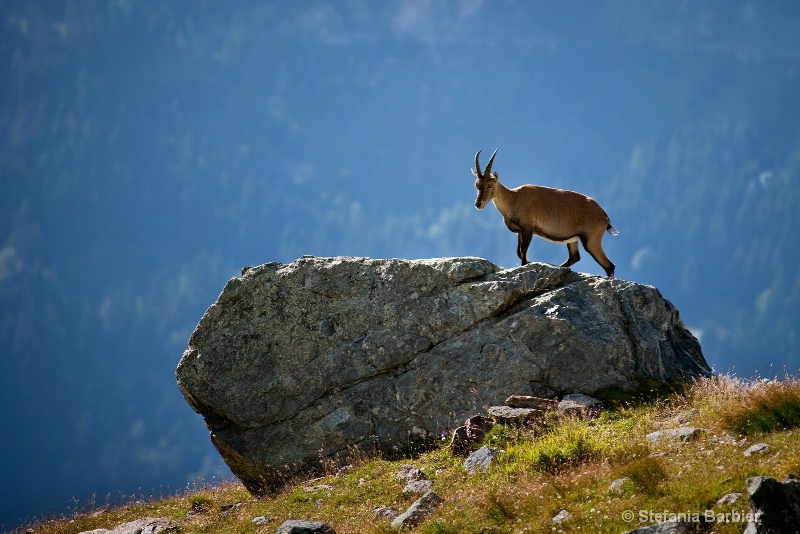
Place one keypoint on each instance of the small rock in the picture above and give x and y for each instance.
(146, 525)
(684, 417)
(505, 414)
(418, 486)
(304, 527)
(232, 506)
(562, 516)
(524, 401)
(579, 404)
(420, 510)
(758, 448)
(682, 434)
(480, 460)
(262, 520)
(320, 487)
(385, 512)
(673, 526)
(730, 498)
(616, 486)
(196, 509)
(472, 431)
(409, 473)
(459, 441)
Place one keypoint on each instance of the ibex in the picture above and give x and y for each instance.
(557, 215)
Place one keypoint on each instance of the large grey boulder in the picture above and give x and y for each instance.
(300, 362)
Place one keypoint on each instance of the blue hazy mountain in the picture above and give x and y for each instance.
(149, 150)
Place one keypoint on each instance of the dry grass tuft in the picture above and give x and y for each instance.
(748, 407)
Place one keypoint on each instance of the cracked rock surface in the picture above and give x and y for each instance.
(299, 362)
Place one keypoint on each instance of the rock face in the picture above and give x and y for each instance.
(303, 361)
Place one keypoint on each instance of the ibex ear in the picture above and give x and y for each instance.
(495, 176)
(475, 173)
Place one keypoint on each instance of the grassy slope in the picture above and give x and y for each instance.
(565, 464)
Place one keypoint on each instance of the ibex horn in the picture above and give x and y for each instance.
(488, 170)
(478, 165)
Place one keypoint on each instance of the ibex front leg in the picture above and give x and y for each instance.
(574, 254)
(523, 242)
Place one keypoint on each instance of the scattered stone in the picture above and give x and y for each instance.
(197, 508)
(683, 418)
(562, 516)
(579, 404)
(232, 506)
(385, 512)
(758, 448)
(775, 505)
(146, 525)
(418, 486)
(505, 414)
(262, 520)
(409, 473)
(673, 435)
(293, 526)
(616, 486)
(673, 526)
(480, 460)
(472, 431)
(319, 344)
(420, 510)
(728, 499)
(460, 441)
(525, 401)
(320, 487)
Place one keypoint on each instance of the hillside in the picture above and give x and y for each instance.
(565, 463)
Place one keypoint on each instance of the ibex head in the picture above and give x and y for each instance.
(486, 181)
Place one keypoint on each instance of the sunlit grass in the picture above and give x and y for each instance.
(567, 445)
(749, 407)
(562, 463)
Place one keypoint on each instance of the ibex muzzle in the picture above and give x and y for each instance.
(556, 215)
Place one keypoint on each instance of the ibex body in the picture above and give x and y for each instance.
(557, 215)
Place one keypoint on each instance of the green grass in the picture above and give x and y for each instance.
(647, 474)
(771, 406)
(565, 463)
(569, 444)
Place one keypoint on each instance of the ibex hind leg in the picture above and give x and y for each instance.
(594, 247)
(574, 254)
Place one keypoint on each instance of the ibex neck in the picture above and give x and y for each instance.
(503, 198)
